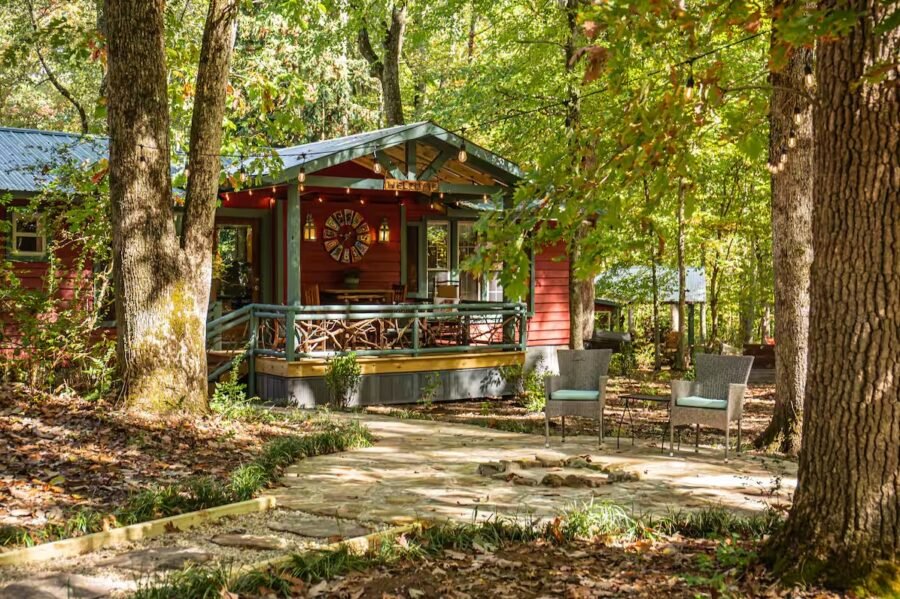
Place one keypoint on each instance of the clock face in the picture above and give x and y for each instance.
(346, 236)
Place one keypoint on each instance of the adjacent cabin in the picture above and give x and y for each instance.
(351, 244)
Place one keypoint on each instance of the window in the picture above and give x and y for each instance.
(28, 237)
(437, 253)
(471, 286)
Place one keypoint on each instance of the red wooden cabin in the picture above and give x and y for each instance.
(357, 244)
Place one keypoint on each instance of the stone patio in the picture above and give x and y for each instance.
(438, 470)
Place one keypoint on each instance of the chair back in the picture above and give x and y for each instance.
(715, 373)
(311, 295)
(582, 368)
(399, 293)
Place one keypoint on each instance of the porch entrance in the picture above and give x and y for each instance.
(236, 277)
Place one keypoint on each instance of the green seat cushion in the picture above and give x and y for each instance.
(702, 402)
(575, 395)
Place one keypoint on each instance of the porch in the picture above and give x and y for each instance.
(456, 351)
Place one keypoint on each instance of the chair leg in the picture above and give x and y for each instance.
(671, 438)
(600, 428)
(726, 443)
(697, 440)
(739, 437)
(563, 429)
(546, 430)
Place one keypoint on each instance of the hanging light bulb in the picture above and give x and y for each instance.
(441, 195)
(377, 167)
(484, 199)
(362, 201)
(187, 172)
(320, 199)
(302, 187)
(227, 196)
(396, 193)
(689, 87)
(792, 139)
(274, 189)
(771, 168)
(347, 190)
(250, 192)
(798, 115)
(301, 176)
(784, 155)
(431, 205)
(463, 155)
(808, 77)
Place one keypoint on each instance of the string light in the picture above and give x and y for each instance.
(484, 199)
(250, 192)
(187, 172)
(808, 75)
(302, 187)
(377, 167)
(320, 199)
(798, 115)
(301, 176)
(792, 139)
(689, 85)
(396, 193)
(274, 189)
(463, 155)
(441, 195)
(362, 201)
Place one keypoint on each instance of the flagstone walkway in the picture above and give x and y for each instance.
(428, 469)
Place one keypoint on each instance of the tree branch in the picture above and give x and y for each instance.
(63, 91)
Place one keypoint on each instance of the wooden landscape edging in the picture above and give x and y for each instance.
(357, 545)
(133, 532)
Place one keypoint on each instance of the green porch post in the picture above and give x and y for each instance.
(293, 246)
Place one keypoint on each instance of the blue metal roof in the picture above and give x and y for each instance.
(27, 156)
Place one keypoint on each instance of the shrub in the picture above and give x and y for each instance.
(343, 375)
(527, 385)
(430, 389)
(623, 363)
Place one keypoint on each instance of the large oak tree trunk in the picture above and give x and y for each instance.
(791, 248)
(844, 526)
(162, 283)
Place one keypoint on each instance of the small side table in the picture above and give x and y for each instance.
(630, 398)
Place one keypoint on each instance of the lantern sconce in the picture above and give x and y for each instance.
(309, 229)
(384, 231)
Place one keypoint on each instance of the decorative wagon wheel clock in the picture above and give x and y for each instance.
(346, 236)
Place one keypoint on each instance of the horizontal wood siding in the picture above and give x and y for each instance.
(379, 267)
(550, 323)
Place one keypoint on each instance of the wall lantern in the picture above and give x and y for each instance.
(309, 229)
(384, 231)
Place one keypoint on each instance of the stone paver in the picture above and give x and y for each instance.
(60, 586)
(321, 528)
(261, 542)
(427, 469)
(157, 558)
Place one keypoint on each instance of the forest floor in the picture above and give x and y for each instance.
(61, 455)
(647, 420)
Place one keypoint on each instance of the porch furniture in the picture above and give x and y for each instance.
(631, 398)
(357, 296)
(578, 390)
(399, 293)
(311, 295)
(446, 293)
(714, 399)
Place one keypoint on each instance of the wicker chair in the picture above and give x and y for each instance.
(579, 389)
(714, 399)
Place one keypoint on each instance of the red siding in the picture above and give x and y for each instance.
(31, 275)
(550, 323)
(379, 267)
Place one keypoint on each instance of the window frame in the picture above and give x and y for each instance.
(14, 235)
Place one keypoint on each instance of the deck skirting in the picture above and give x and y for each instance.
(389, 380)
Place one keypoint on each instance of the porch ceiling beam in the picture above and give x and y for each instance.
(378, 185)
(411, 164)
(436, 164)
(388, 164)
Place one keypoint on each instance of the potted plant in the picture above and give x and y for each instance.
(351, 278)
(342, 376)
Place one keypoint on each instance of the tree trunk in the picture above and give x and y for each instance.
(387, 67)
(791, 250)
(681, 360)
(162, 285)
(581, 290)
(844, 527)
(656, 246)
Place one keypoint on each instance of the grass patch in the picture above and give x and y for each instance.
(204, 492)
(589, 520)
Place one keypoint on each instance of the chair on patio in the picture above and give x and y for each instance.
(579, 389)
(714, 399)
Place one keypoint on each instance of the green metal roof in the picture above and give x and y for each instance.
(27, 156)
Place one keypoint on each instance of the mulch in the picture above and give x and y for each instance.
(673, 567)
(649, 419)
(60, 454)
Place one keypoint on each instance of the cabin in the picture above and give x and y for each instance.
(354, 244)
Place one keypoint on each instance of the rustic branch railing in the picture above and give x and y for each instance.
(292, 332)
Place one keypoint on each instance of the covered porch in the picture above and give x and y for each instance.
(358, 244)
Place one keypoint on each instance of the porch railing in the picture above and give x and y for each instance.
(293, 332)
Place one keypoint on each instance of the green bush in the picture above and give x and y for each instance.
(342, 376)
(527, 385)
(623, 363)
(430, 389)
